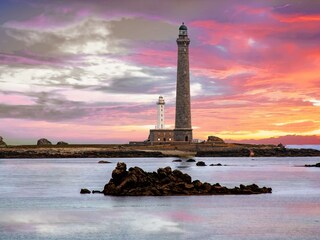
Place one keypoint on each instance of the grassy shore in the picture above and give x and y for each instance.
(163, 150)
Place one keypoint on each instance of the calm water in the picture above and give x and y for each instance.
(39, 199)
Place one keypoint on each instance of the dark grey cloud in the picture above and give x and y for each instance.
(155, 81)
(40, 112)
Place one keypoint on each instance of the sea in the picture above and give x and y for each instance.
(40, 199)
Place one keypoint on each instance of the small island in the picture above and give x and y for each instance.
(165, 182)
(210, 148)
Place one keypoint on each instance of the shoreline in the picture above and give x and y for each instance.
(165, 150)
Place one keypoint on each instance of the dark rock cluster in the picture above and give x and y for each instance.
(313, 165)
(165, 182)
(216, 165)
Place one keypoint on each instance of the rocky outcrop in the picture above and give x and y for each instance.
(215, 165)
(165, 182)
(191, 160)
(313, 165)
(215, 140)
(2, 143)
(62, 143)
(43, 142)
(85, 191)
(201, 164)
(104, 161)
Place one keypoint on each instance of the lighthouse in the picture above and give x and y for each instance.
(183, 130)
(160, 113)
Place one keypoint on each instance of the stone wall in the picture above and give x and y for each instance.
(183, 135)
(161, 135)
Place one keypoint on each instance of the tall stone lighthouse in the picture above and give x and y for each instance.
(183, 130)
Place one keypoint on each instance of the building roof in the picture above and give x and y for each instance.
(183, 27)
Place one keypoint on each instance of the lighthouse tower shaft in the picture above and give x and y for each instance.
(183, 129)
(160, 113)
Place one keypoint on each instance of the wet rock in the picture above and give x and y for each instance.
(85, 191)
(177, 160)
(201, 163)
(218, 164)
(61, 143)
(44, 142)
(191, 160)
(96, 191)
(104, 161)
(165, 182)
(119, 172)
(313, 165)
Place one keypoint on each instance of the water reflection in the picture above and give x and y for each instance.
(39, 199)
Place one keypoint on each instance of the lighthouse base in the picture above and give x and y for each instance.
(183, 134)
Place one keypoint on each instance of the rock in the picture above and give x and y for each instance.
(313, 165)
(96, 191)
(201, 163)
(191, 160)
(2, 143)
(177, 160)
(104, 161)
(215, 140)
(85, 191)
(218, 164)
(119, 172)
(61, 143)
(43, 142)
(165, 182)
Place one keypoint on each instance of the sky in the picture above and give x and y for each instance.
(91, 71)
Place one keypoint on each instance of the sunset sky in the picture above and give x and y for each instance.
(91, 71)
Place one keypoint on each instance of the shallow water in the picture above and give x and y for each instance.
(39, 199)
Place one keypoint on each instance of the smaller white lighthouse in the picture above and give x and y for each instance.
(160, 117)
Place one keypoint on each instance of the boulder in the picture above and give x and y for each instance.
(177, 160)
(191, 160)
(2, 143)
(85, 191)
(218, 164)
(215, 140)
(62, 143)
(43, 142)
(201, 164)
(104, 161)
(165, 182)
